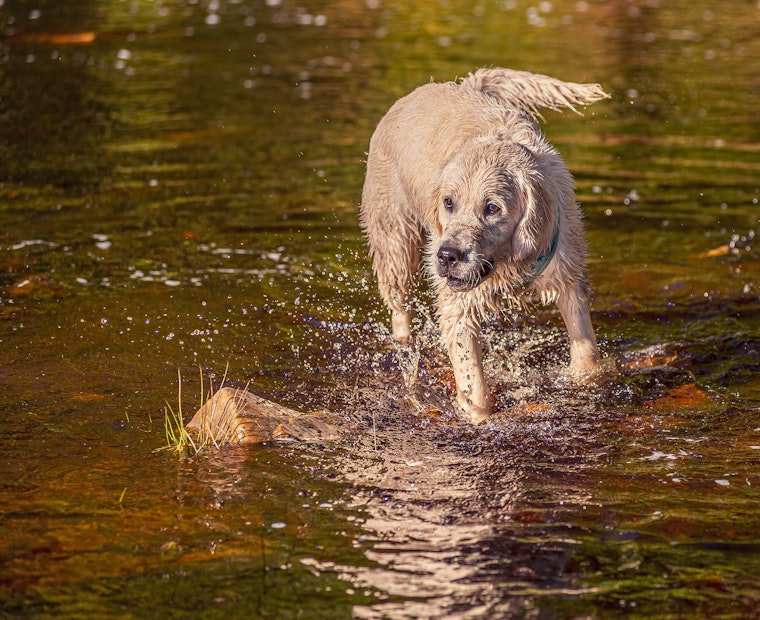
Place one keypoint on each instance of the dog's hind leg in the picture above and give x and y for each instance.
(394, 281)
(395, 241)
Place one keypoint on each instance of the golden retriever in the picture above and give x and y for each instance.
(463, 172)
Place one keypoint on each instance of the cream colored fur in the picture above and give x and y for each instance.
(461, 177)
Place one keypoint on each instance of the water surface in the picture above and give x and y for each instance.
(179, 185)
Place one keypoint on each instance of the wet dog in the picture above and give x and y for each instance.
(460, 176)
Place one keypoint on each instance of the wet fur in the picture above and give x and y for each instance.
(460, 178)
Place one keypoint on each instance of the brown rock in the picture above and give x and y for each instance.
(239, 417)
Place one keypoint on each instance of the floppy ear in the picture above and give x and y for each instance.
(535, 230)
(540, 200)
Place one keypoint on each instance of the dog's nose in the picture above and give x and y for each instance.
(448, 256)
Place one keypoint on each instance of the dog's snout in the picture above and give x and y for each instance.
(448, 256)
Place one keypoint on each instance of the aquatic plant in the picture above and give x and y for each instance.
(178, 437)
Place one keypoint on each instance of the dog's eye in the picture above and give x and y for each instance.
(492, 209)
(448, 203)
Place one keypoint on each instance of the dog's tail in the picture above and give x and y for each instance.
(531, 91)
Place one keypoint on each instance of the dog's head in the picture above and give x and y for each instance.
(491, 207)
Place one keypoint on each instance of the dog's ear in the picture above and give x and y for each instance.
(539, 198)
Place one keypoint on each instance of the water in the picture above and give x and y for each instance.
(179, 185)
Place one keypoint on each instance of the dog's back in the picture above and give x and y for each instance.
(424, 128)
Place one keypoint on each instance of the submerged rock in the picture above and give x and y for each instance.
(38, 286)
(239, 417)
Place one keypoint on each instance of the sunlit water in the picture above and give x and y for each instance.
(179, 185)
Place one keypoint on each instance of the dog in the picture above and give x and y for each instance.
(461, 178)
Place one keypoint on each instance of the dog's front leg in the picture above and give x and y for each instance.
(463, 344)
(574, 307)
(402, 325)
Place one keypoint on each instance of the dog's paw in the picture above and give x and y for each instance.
(594, 373)
(475, 414)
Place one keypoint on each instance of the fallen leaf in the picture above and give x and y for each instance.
(722, 250)
(87, 398)
(37, 285)
(682, 397)
(60, 38)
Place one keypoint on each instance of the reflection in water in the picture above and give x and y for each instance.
(461, 521)
(435, 552)
(520, 516)
(53, 135)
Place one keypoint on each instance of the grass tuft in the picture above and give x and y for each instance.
(178, 439)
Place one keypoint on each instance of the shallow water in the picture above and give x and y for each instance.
(179, 185)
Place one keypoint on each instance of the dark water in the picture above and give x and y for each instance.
(179, 185)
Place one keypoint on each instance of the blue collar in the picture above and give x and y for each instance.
(543, 259)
